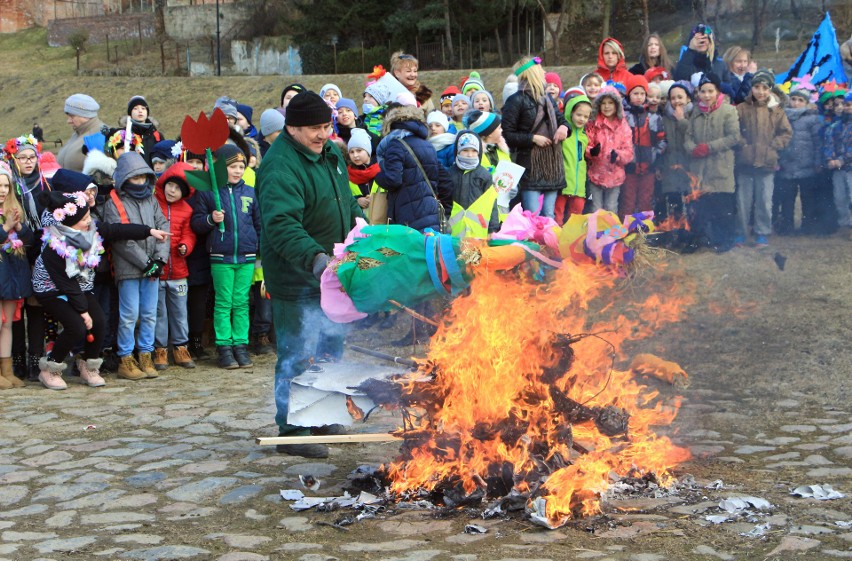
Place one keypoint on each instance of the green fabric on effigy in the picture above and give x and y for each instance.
(390, 264)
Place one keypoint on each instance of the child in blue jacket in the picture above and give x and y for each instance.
(232, 256)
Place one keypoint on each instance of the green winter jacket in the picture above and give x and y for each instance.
(719, 129)
(306, 207)
(574, 152)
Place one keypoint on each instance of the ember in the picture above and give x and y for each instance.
(523, 406)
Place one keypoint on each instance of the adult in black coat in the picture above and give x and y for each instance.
(411, 200)
(700, 55)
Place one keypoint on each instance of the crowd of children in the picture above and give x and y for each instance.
(109, 240)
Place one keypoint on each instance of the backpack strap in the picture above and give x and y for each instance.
(119, 206)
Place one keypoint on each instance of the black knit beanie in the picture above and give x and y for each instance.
(307, 109)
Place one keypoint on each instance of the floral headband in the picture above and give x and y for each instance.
(527, 65)
(75, 201)
(14, 144)
(117, 140)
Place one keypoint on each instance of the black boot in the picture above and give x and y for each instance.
(33, 369)
(19, 365)
(226, 358)
(242, 356)
(262, 345)
(110, 363)
(196, 348)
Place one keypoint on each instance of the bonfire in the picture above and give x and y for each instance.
(518, 404)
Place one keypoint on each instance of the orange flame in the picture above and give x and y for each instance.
(499, 388)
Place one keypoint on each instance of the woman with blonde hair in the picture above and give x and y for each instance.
(404, 68)
(653, 55)
(611, 64)
(534, 131)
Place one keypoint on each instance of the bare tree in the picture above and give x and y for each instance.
(758, 10)
(646, 26)
(448, 31)
(606, 8)
(569, 11)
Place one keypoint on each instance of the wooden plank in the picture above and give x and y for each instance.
(326, 439)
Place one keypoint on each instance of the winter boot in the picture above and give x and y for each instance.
(161, 358)
(146, 365)
(182, 357)
(110, 360)
(7, 372)
(303, 450)
(128, 368)
(226, 357)
(196, 348)
(242, 356)
(5, 384)
(90, 371)
(19, 365)
(262, 345)
(33, 368)
(50, 374)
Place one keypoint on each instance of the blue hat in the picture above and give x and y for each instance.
(68, 181)
(460, 97)
(162, 150)
(347, 103)
(246, 111)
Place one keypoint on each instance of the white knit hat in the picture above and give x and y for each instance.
(360, 139)
(440, 118)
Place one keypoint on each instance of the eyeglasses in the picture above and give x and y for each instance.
(26, 158)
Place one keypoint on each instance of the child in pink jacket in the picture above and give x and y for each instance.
(610, 149)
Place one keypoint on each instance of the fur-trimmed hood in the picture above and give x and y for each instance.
(611, 93)
(400, 114)
(97, 161)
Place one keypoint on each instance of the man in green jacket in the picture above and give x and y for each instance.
(306, 207)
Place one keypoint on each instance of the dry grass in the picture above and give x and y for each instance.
(38, 78)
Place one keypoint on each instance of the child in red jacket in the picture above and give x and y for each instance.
(172, 324)
(610, 149)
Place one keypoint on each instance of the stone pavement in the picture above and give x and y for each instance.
(167, 469)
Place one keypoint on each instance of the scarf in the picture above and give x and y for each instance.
(467, 164)
(137, 191)
(705, 109)
(545, 161)
(669, 111)
(81, 250)
(362, 175)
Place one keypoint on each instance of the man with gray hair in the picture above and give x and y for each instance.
(82, 113)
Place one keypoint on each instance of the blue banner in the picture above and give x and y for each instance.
(821, 59)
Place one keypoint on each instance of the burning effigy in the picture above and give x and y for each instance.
(519, 404)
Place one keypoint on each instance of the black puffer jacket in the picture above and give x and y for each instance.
(518, 120)
(410, 198)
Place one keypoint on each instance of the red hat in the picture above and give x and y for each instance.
(636, 81)
(657, 72)
(449, 94)
(553, 78)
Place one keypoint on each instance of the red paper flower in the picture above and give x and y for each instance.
(11, 147)
(198, 136)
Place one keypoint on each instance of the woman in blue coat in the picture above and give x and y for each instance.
(15, 278)
(411, 200)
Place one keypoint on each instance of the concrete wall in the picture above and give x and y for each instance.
(256, 58)
(119, 27)
(185, 23)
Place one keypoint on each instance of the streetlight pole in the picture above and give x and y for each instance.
(218, 45)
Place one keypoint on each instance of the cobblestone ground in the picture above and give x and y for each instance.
(168, 468)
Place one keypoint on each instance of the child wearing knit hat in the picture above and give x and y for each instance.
(649, 143)
(361, 171)
(461, 103)
(233, 252)
(765, 131)
(473, 190)
(483, 101)
(553, 88)
(441, 138)
(141, 125)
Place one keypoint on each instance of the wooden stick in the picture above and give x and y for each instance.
(413, 314)
(385, 356)
(326, 439)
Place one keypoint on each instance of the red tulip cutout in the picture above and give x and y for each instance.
(206, 135)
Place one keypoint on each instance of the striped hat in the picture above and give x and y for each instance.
(482, 123)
